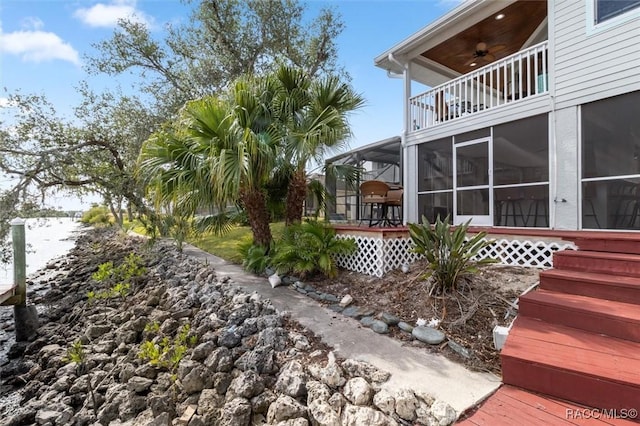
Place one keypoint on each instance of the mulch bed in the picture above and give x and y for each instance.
(467, 316)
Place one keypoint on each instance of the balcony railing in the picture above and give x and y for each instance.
(505, 81)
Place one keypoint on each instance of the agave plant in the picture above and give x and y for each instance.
(450, 253)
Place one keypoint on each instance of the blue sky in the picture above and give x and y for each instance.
(43, 44)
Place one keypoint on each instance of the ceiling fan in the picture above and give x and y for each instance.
(484, 53)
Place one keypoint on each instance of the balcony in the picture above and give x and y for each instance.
(511, 79)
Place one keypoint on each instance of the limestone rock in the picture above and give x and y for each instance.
(331, 374)
(317, 391)
(406, 404)
(292, 380)
(247, 385)
(358, 391)
(139, 384)
(357, 416)
(443, 413)
(385, 402)
(220, 360)
(236, 412)
(285, 408)
(322, 414)
(346, 301)
(372, 374)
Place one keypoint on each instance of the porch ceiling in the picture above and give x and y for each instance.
(502, 37)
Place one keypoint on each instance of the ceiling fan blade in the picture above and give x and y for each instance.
(489, 57)
(497, 48)
(470, 61)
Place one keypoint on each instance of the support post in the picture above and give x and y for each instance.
(19, 260)
(26, 317)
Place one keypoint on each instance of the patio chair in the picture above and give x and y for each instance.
(394, 203)
(374, 193)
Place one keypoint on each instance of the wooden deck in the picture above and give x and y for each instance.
(6, 292)
(510, 405)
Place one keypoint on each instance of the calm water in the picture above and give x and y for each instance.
(46, 239)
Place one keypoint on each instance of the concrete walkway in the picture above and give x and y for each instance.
(409, 367)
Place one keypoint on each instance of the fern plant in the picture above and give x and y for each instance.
(311, 247)
(450, 254)
(255, 258)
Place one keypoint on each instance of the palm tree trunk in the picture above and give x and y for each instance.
(255, 205)
(296, 194)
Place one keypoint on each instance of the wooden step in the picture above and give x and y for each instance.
(510, 405)
(598, 262)
(618, 288)
(571, 364)
(622, 243)
(616, 319)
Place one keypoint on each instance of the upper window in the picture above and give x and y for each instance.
(607, 9)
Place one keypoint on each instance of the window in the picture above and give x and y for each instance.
(611, 163)
(607, 9)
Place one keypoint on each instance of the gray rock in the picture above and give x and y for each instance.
(196, 380)
(443, 413)
(330, 298)
(406, 404)
(300, 421)
(336, 308)
(94, 331)
(405, 327)
(229, 338)
(139, 384)
(315, 296)
(247, 385)
(236, 412)
(337, 401)
(459, 349)
(46, 416)
(210, 403)
(428, 335)
(261, 359)
(367, 321)
(260, 404)
(358, 391)
(146, 370)
(389, 319)
(379, 327)
(292, 380)
(220, 360)
(357, 416)
(285, 408)
(131, 406)
(202, 351)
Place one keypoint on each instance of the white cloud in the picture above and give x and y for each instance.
(32, 23)
(108, 14)
(38, 46)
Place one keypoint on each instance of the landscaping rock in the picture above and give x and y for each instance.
(292, 380)
(443, 413)
(379, 327)
(459, 349)
(367, 321)
(389, 319)
(346, 301)
(428, 335)
(405, 327)
(358, 391)
(406, 404)
(358, 416)
(285, 408)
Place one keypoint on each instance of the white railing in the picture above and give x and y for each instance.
(507, 80)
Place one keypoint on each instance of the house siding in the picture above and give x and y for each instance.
(591, 66)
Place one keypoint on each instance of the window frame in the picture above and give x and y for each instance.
(594, 27)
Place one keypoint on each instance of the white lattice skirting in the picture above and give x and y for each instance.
(377, 256)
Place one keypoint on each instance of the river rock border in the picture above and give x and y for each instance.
(251, 365)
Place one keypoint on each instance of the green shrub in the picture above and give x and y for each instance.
(310, 247)
(450, 254)
(255, 258)
(119, 277)
(96, 215)
(166, 352)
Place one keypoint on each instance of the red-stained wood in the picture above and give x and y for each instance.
(598, 262)
(622, 244)
(620, 289)
(510, 405)
(616, 319)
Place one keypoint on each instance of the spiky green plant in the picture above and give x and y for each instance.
(450, 254)
(310, 247)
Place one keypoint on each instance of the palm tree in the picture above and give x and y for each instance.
(219, 152)
(314, 114)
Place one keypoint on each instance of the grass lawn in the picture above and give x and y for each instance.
(226, 246)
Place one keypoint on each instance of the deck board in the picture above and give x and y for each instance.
(510, 405)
